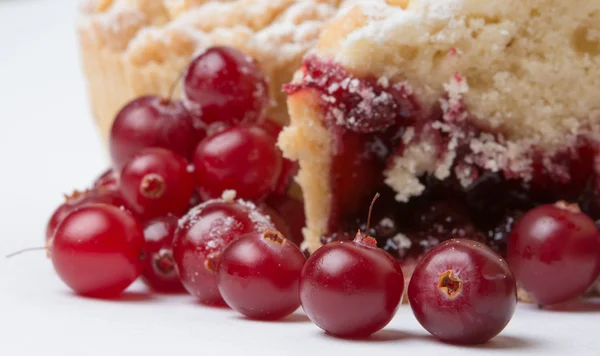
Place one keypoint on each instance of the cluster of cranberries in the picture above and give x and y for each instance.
(158, 213)
(167, 212)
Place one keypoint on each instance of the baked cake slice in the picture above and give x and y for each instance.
(463, 114)
(132, 48)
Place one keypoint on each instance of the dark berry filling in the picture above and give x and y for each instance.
(367, 119)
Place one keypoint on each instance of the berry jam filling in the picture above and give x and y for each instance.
(369, 120)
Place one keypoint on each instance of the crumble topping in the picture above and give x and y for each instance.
(132, 48)
(531, 67)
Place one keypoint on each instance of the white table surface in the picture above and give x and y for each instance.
(48, 145)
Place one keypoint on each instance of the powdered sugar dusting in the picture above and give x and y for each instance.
(154, 232)
(219, 228)
(422, 156)
(386, 20)
(229, 195)
(260, 220)
(215, 223)
(358, 104)
(278, 29)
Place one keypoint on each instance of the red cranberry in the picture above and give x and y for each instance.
(108, 180)
(351, 289)
(271, 127)
(258, 275)
(278, 221)
(241, 158)
(194, 200)
(293, 211)
(366, 105)
(203, 234)
(160, 273)
(78, 199)
(554, 251)
(156, 182)
(98, 250)
(151, 121)
(462, 292)
(225, 85)
(289, 168)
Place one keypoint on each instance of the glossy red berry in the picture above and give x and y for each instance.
(272, 128)
(151, 121)
(351, 289)
(156, 182)
(278, 221)
(242, 158)
(160, 273)
(203, 234)
(98, 250)
(462, 292)
(293, 210)
(289, 168)
(108, 180)
(554, 252)
(80, 198)
(194, 200)
(225, 85)
(258, 275)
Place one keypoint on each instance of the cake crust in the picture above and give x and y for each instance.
(132, 48)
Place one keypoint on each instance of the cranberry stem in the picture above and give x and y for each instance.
(367, 240)
(370, 211)
(29, 249)
(169, 98)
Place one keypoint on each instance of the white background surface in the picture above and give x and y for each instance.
(48, 145)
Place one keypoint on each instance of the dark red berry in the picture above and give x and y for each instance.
(292, 212)
(289, 168)
(336, 237)
(259, 273)
(351, 289)
(462, 292)
(203, 234)
(108, 180)
(365, 104)
(98, 250)
(160, 273)
(156, 182)
(151, 121)
(242, 158)
(278, 221)
(194, 200)
(272, 128)
(225, 85)
(78, 199)
(554, 252)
